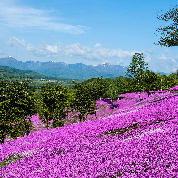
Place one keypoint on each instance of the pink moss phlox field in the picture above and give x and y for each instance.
(81, 149)
(174, 88)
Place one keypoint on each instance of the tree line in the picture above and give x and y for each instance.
(53, 103)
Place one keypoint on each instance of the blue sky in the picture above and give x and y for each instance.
(87, 31)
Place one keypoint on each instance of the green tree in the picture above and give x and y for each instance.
(161, 82)
(148, 80)
(98, 88)
(17, 105)
(55, 105)
(137, 67)
(172, 80)
(169, 33)
(112, 92)
(107, 83)
(119, 83)
(84, 100)
(128, 82)
(135, 71)
(176, 74)
(167, 82)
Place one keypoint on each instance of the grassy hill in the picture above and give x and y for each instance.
(136, 139)
(37, 80)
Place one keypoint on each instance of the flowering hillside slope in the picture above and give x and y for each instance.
(136, 139)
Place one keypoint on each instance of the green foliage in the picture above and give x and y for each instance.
(165, 82)
(106, 83)
(119, 83)
(148, 80)
(17, 105)
(11, 159)
(172, 80)
(135, 72)
(89, 80)
(112, 92)
(108, 88)
(84, 100)
(137, 67)
(141, 79)
(169, 34)
(10, 72)
(98, 87)
(113, 88)
(55, 103)
(131, 85)
(37, 81)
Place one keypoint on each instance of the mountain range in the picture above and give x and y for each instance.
(71, 71)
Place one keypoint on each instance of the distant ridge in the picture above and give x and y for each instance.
(7, 72)
(70, 71)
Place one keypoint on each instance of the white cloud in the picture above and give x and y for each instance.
(154, 70)
(174, 69)
(13, 41)
(41, 50)
(176, 58)
(167, 51)
(149, 51)
(173, 60)
(147, 58)
(101, 54)
(162, 57)
(167, 59)
(121, 62)
(97, 45)
(167, 63)
(15, 16)
(95, 53)
(73, 50)
(170, 68)
(2, 52)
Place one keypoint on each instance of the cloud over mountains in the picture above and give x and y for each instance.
(72, 50)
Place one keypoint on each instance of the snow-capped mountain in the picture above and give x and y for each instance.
(71, 71)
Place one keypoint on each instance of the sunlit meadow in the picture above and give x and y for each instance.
(136, 138)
